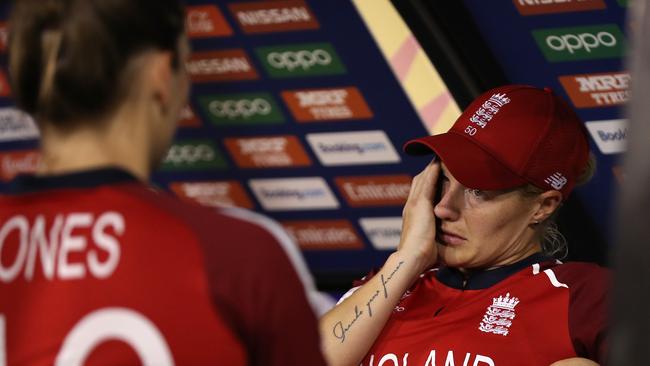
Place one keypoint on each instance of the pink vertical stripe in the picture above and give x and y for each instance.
(402, 60)
(432, 111)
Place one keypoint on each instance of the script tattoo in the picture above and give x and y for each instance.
(340, 331)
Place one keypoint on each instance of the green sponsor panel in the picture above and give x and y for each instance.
(581, 43)
(624, 3)
(241, 109)
(307, 59)
(193, 155)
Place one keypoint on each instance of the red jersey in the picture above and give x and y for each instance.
(534, 312)
(99, 269)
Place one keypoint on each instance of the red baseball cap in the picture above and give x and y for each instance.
(511, 136)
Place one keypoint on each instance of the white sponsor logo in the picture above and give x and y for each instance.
(189, 154)
(304, 59)
(434, 358)
(606, 89)
(199, 22)
(583, 41)
(498, 316)
(610, 135)
(14, 165)
(274, 16)
(353, 148)
(384, 232)
(486, 112)
(288, 194)
(262, 145)
(212, 66)
(16, 125)
(322, 97)
(557, 181)
(245, 108)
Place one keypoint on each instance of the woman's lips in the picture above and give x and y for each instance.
(450, 238)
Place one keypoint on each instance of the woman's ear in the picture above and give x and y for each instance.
(160, 75)
(548, 201)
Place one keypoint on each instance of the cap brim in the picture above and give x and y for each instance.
(472, 166)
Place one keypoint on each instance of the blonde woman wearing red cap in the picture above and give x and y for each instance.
(473, 281)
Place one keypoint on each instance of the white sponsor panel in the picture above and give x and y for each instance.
(383, 232)
(293, 194)
(610, 135)
(353, 148)
(16, 125)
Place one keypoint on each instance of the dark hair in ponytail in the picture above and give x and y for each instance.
(67, 57)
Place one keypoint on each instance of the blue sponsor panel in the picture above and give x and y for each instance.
(578, 49)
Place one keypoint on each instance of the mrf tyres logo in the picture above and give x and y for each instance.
(241, 109)
(193, 155)
(16, 125)
(295, 60)
(213, 193)
(293, 194)
(580, 43)
(610, 135)
(326, 104)
(597, 90)
(267, 152)
(353, 148)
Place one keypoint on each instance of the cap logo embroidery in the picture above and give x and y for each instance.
(498, 316)
(557, 181)
(490, 107)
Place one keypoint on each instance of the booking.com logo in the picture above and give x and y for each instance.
(579, 43)
(300, 60)
(247, 108)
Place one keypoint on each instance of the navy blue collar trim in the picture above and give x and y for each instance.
(479, 280)
(83, 179)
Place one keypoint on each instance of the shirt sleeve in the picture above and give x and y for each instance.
(589, 287)
(256, 289)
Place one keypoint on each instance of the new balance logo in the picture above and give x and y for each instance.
(557, 181)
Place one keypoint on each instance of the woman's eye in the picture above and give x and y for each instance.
(475, 192)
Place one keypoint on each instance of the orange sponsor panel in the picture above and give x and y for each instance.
(188, 118)
(267, 152)
(273, 16)
(224, 65)
(323, 234)
(206, 21)
(13, 163)
(330, 104)
(213, 193)
(381, 190)
(535, 7)
(597, 90)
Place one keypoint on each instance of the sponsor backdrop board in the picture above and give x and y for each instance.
(298, 110)
(577, 48)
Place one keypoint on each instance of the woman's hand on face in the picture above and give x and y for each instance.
(418, 220)
(574, 362)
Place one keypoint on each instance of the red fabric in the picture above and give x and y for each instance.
(510, 136)
(215, 288)
(439, 325)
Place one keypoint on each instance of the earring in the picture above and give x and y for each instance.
(536, 222)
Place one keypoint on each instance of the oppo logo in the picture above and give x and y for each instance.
(305, 59)
(582, 41)
(189, 154)
(240, 108)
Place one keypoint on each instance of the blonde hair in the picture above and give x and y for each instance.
(553, 243)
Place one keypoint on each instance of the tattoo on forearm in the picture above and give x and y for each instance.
(340, 331)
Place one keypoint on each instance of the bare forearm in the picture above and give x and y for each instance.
(349, 330)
